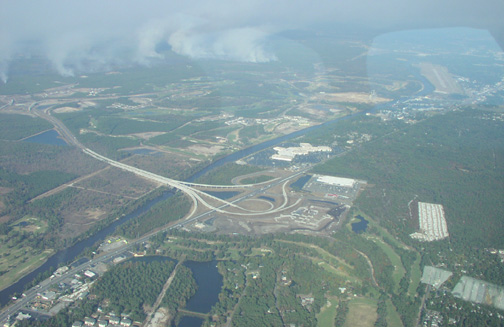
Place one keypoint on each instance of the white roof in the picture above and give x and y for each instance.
(339, 181)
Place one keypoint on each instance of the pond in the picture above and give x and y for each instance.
(301, 182)
(50, 137)
(361, 225)
(209, 282)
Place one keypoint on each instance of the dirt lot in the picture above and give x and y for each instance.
(147, 135)
(352, 97)
(362, 312)
(66, 109)
(210, 150)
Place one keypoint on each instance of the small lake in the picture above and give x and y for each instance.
(50, 137)
(361, 225)
(69, 254)
(301, 182)
(209, 282)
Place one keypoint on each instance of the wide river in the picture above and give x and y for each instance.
(71, 253)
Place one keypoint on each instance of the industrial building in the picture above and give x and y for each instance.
(336, 181)
(288, 154)
(478, 291)
(435, 276)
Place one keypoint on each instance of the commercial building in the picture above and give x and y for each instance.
(288, 154)
(435, 276)
(336, 181)
(478, 291)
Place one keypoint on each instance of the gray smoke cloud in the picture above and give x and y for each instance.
(81, 36)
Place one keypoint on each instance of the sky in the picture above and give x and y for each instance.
(80, 36)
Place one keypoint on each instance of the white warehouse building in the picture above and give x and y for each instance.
(336, 181)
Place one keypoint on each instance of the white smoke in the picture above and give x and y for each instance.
(78, 36)
(74, 47)
(240, 44)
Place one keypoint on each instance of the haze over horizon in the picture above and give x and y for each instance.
(87, 36)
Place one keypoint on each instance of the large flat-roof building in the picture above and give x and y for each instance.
(432, 222)
(336, 181)
(479, 291)
(435, 276)
(288, 154)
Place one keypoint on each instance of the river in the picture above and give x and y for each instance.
(71, 253)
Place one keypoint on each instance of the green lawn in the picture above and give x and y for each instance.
(325, 318)
(382, 231)
(416, 274)
(35, 225)
(16, 268)
(393, 318)
(399, 270)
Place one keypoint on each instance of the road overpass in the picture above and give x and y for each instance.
(196, 195)
(189, 188)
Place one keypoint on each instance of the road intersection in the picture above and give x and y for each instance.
(198, 197)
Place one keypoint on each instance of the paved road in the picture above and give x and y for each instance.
(195, 194)
(45, 285)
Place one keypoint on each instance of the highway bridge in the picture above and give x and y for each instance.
(197, 196)
(189, 188)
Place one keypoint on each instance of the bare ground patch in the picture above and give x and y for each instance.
(362, 312)
(147, 135)
(210, 150)
(256, 204)
(5, 190)
(352, 97)
(66, 109)
(288, 127)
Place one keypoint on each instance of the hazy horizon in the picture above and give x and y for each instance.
(81, 37)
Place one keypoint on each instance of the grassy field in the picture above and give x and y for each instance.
(325, 318)
(362, 313)
(18, 262)
(224, 175)
(323, 254)
(416, 274)
(329, 262)
(399, 270)
(393, 318)
(382, 231)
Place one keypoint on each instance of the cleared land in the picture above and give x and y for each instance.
(15, 263)
(393, 318)
(416, 274)
(362, 313)
(326, 316)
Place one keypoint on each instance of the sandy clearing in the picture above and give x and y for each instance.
(206, 150)
(352, 97)
(66, 109)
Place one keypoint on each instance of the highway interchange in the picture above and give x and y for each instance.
(196, 196)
